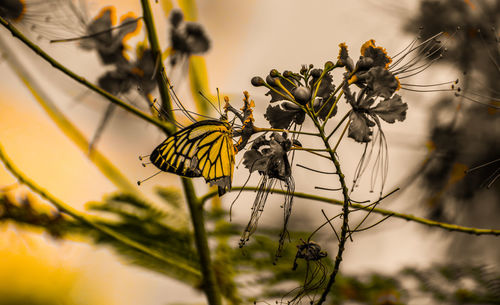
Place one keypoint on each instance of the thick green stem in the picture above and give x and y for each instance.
(210, 285)
(161, 77)
(201, 239)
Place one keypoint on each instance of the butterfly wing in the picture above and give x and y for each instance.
(203, 149)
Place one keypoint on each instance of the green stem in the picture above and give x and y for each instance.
(341, 136)
(338, 125)
(61, 206)
(168, 127)
(408, 217)
(196, 210)
(210, 285)
(345, 215)
(161, 76)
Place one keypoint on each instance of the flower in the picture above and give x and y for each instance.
(364, 117)
(186, 38)
(270, 159)
(295, 93)
(110, 46)
(371, 70)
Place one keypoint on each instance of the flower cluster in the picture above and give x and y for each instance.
(294, 92)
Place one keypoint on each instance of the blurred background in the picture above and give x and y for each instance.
(442, 136)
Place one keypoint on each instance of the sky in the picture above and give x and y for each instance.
(248, 38)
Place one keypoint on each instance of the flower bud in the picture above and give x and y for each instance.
(274, 73)
(329, 65)
(316, 73)
(257, 81)
(271, 81)
(301, 94)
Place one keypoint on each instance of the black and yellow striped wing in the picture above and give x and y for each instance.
(203, 149)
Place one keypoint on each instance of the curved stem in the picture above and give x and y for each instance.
(61, 206)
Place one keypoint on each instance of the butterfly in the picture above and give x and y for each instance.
(202, 149)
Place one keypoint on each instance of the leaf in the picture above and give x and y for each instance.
(391, 109)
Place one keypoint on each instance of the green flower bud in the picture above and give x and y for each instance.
(257, 81)
(274, 73)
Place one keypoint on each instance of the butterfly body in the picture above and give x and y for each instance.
(203, 149)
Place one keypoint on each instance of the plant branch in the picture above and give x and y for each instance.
(168, 127)
(160, 76)
(63, 207)
(345, 214)
(210, 285)
(408, 217)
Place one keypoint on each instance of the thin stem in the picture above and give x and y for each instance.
(332, 108)
(61, 206)
(168, 127)
(259, 129)
(338, 125)
(341, 135)
(407, 217)
(309, 149)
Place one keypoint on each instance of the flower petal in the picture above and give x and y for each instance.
(281, 118)
(381, 82)
(360, 128)
(391, 109)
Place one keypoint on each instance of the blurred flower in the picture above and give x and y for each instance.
(186, 38)
(101, 37)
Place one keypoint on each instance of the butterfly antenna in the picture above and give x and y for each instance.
(208, 100)
(175, 98)
(142, 157)
(142, 181)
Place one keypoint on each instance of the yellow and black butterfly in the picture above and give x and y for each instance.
(202, 149)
